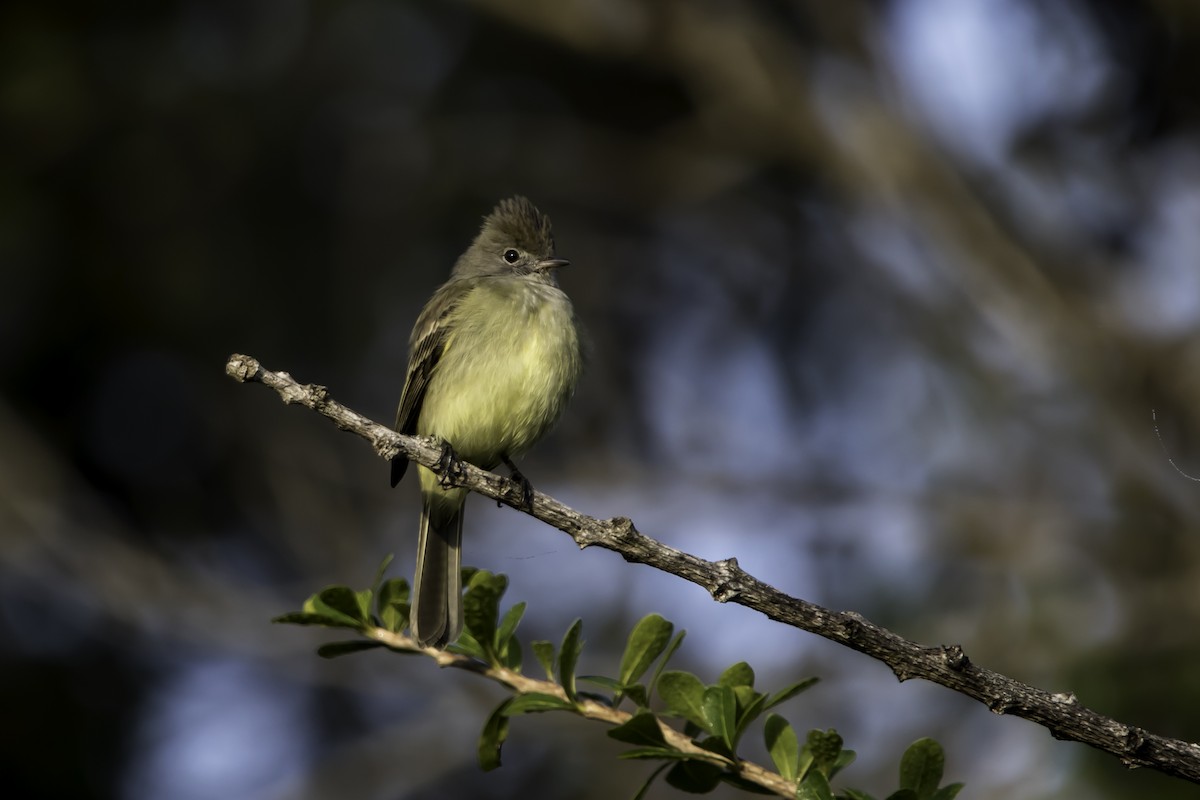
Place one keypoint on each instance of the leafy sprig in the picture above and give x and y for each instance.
(673, 717)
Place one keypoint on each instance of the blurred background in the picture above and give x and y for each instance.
(882, 297)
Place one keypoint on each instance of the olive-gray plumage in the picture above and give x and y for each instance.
(493, 360)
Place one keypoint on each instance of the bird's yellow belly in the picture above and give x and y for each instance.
(499, 388)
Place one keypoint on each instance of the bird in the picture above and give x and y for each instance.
(494, 358)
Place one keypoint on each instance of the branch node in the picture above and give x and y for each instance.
(621, 529)
(292, 392)
(386, 446)
(585, 538)
(728, 584)
(1002, 703)
(242, 368)
(320, 397)
(904, 671)
(853, 624)
(955, 658)
(615, 529)
(1135, 740)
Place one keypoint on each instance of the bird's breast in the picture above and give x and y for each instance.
(507, 371)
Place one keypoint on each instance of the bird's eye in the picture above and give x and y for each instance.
(511, 256)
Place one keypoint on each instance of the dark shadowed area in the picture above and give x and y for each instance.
(881, 296)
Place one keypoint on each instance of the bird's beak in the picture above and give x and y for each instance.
(551, 263)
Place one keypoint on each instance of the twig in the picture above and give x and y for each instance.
(584, 707)
(1060, 713)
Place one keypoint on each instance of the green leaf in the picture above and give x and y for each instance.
(511, 655)
(921, 767)
(696, 777)
(594, 697)
(844, 759)
(825, 747)
(392, 604)
(600, 680)
(721, 751)
(948, 792)
(662, 663)
(507, 644)
(466, 645)
(364, 596)
(638, 694)
(740, 674)
(481, 577)
(787, 693)
(805, 763)
(684, 695)
(646, 642)
(536, 702)
(747, 712)
(815, 786)
(508, 625)
(338, 603)
(720, 710)
(856, 794)
(387, 560)
(665, 753)
(495, 731)
(335, 649)
(640, 729)
(783, 746)
(544, 653)
(646, 786)
(568, 658)
(481, 609)
(306, 618)
(746, 697)
(903, 794)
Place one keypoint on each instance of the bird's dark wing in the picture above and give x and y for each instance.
(428, 342)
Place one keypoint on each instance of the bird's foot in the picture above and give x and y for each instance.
(450, 467)
(521, 483)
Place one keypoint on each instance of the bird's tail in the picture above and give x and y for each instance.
(437, 616)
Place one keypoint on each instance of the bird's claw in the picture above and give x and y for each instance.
(522, 484)
(450, 467)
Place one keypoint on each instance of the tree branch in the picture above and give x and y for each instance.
(1060, 713)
